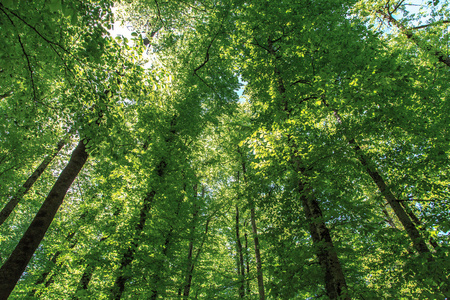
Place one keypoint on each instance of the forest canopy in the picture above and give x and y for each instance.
(224, 149)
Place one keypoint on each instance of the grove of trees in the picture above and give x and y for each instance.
(228, 149)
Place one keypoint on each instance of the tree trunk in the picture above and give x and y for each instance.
(190, 264)
(259, 272)
(388, 217)
(441, 56)
(416, 221)
(128, 257)
(247, 262)
(240, 257)
(13, 268)
(335, 284)
(410, 228)
(9, 207)
(44, 275)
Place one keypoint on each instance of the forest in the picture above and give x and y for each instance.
(224, 149)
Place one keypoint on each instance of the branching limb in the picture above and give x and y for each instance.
(25, 54)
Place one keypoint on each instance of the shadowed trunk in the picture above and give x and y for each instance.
(240, 257)
(190, 263)
(9, 207)
(128, 257)
(13, 268)
(335, 284)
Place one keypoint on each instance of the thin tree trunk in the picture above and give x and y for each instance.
(157, 277)
(13, 268)
(410, 228)
(44, 275)
(90, 268)
(128, 257)
(259, 273)
(441, 56)
(247, 262)
(416, 221)
(190, 264)
(240, 257)
(9, 207)
(388, 217)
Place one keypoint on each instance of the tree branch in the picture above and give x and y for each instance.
(431, 24)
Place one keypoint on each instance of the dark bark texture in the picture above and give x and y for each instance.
(12, 269)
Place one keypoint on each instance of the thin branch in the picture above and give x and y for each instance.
(207, 54)
(431, 24)
(25, 53)
(159, 13)
(35, 30)
(420, 200)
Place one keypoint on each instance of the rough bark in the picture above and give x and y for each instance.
(13, 268)
(12, 203)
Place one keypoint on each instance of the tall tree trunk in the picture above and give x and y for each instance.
(388, 217)
(247, 262)
(259, 273)
(13, 268)
(410, 228)
(240, 257)
(335, 284)
(9, 207)
(128, 257)
(86, 277)
(190, 263)
(47, 271)
(158, 277)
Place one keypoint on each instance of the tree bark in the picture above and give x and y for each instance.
(190, 264)
(128, 257)
(9, 207)
(414, 234)
(13, 268)
(240, 257)
(416, 221)
(259, 272)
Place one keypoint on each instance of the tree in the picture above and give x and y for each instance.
(236, 150)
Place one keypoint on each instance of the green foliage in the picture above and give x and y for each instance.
(160, 113)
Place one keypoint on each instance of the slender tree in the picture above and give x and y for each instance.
(15, 265)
